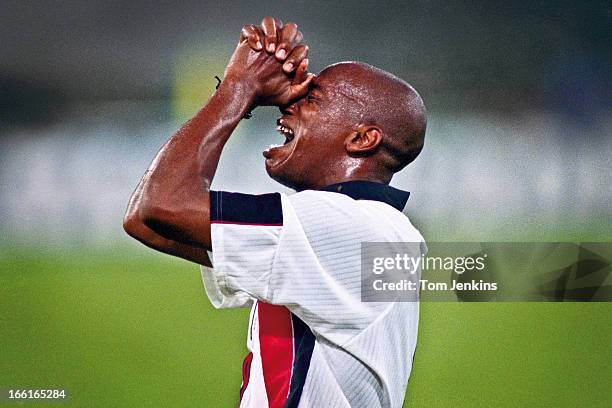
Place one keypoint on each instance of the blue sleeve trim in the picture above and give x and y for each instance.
(304, 342)
(246, 209)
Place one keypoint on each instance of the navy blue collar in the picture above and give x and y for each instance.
(369, 190)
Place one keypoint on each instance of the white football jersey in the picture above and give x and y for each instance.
(296, 261)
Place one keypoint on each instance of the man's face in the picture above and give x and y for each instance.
(314, 128)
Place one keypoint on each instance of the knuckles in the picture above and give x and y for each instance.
(264, 72)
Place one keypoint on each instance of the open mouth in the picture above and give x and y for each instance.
(278, 154)
(285, 130)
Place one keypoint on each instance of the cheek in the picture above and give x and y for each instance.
(304, 158)
(303, 153)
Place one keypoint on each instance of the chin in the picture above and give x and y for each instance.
(280, 175)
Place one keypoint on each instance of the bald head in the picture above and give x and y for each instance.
(375, 97)
(356, 123)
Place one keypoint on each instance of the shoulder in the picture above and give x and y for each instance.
(314, 205)
(319, 199)
(330, 211)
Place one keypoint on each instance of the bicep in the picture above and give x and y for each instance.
(150, 238)
(186, 222)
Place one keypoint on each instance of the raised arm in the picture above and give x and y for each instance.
(169, 210)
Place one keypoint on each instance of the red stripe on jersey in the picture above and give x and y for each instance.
(246, 373)
(247, 223)
(276, 345)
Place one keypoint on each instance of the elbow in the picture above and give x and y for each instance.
(137, 225)
(171, 219)
(135, 219)
(138, 221)
(132, 224)
(149, 214)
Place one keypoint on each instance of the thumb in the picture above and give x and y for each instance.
(301, 89)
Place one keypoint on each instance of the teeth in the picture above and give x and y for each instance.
(272, 146)
(285, 131)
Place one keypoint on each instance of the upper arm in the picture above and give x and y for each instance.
(183, 220)
(150, 238)
(169, 218)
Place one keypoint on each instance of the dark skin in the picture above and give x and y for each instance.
(356, 123)
(351, 122)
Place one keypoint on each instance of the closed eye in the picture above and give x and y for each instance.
(312, 98)
(313, 93)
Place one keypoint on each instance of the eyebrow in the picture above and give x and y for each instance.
(314, 88)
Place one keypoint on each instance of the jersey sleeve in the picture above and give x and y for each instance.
(245, 232)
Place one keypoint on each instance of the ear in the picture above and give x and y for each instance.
(363, 140)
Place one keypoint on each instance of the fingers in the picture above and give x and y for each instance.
(301, 72)
(253, 35)
(270, 28)
(301, 82)
(282, 41)
(301, 89)
(278, 39)
(296, 57)
(287, 40)
(299, 37)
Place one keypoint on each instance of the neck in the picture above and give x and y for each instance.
(345, 172)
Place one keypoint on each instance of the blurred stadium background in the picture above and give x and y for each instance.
(518, 148)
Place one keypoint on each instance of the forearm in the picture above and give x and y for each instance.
(192, 153)
(172, 197)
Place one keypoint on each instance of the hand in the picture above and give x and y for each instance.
(276, 38)
(270, 59)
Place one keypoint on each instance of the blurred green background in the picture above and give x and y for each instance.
(518, 148)
(128, 328)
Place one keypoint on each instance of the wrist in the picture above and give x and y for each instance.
(239, 88)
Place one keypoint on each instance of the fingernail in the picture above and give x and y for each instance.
(258, 45)
(305, 61)
(271, 47)
(288, 67)
(281, 53)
